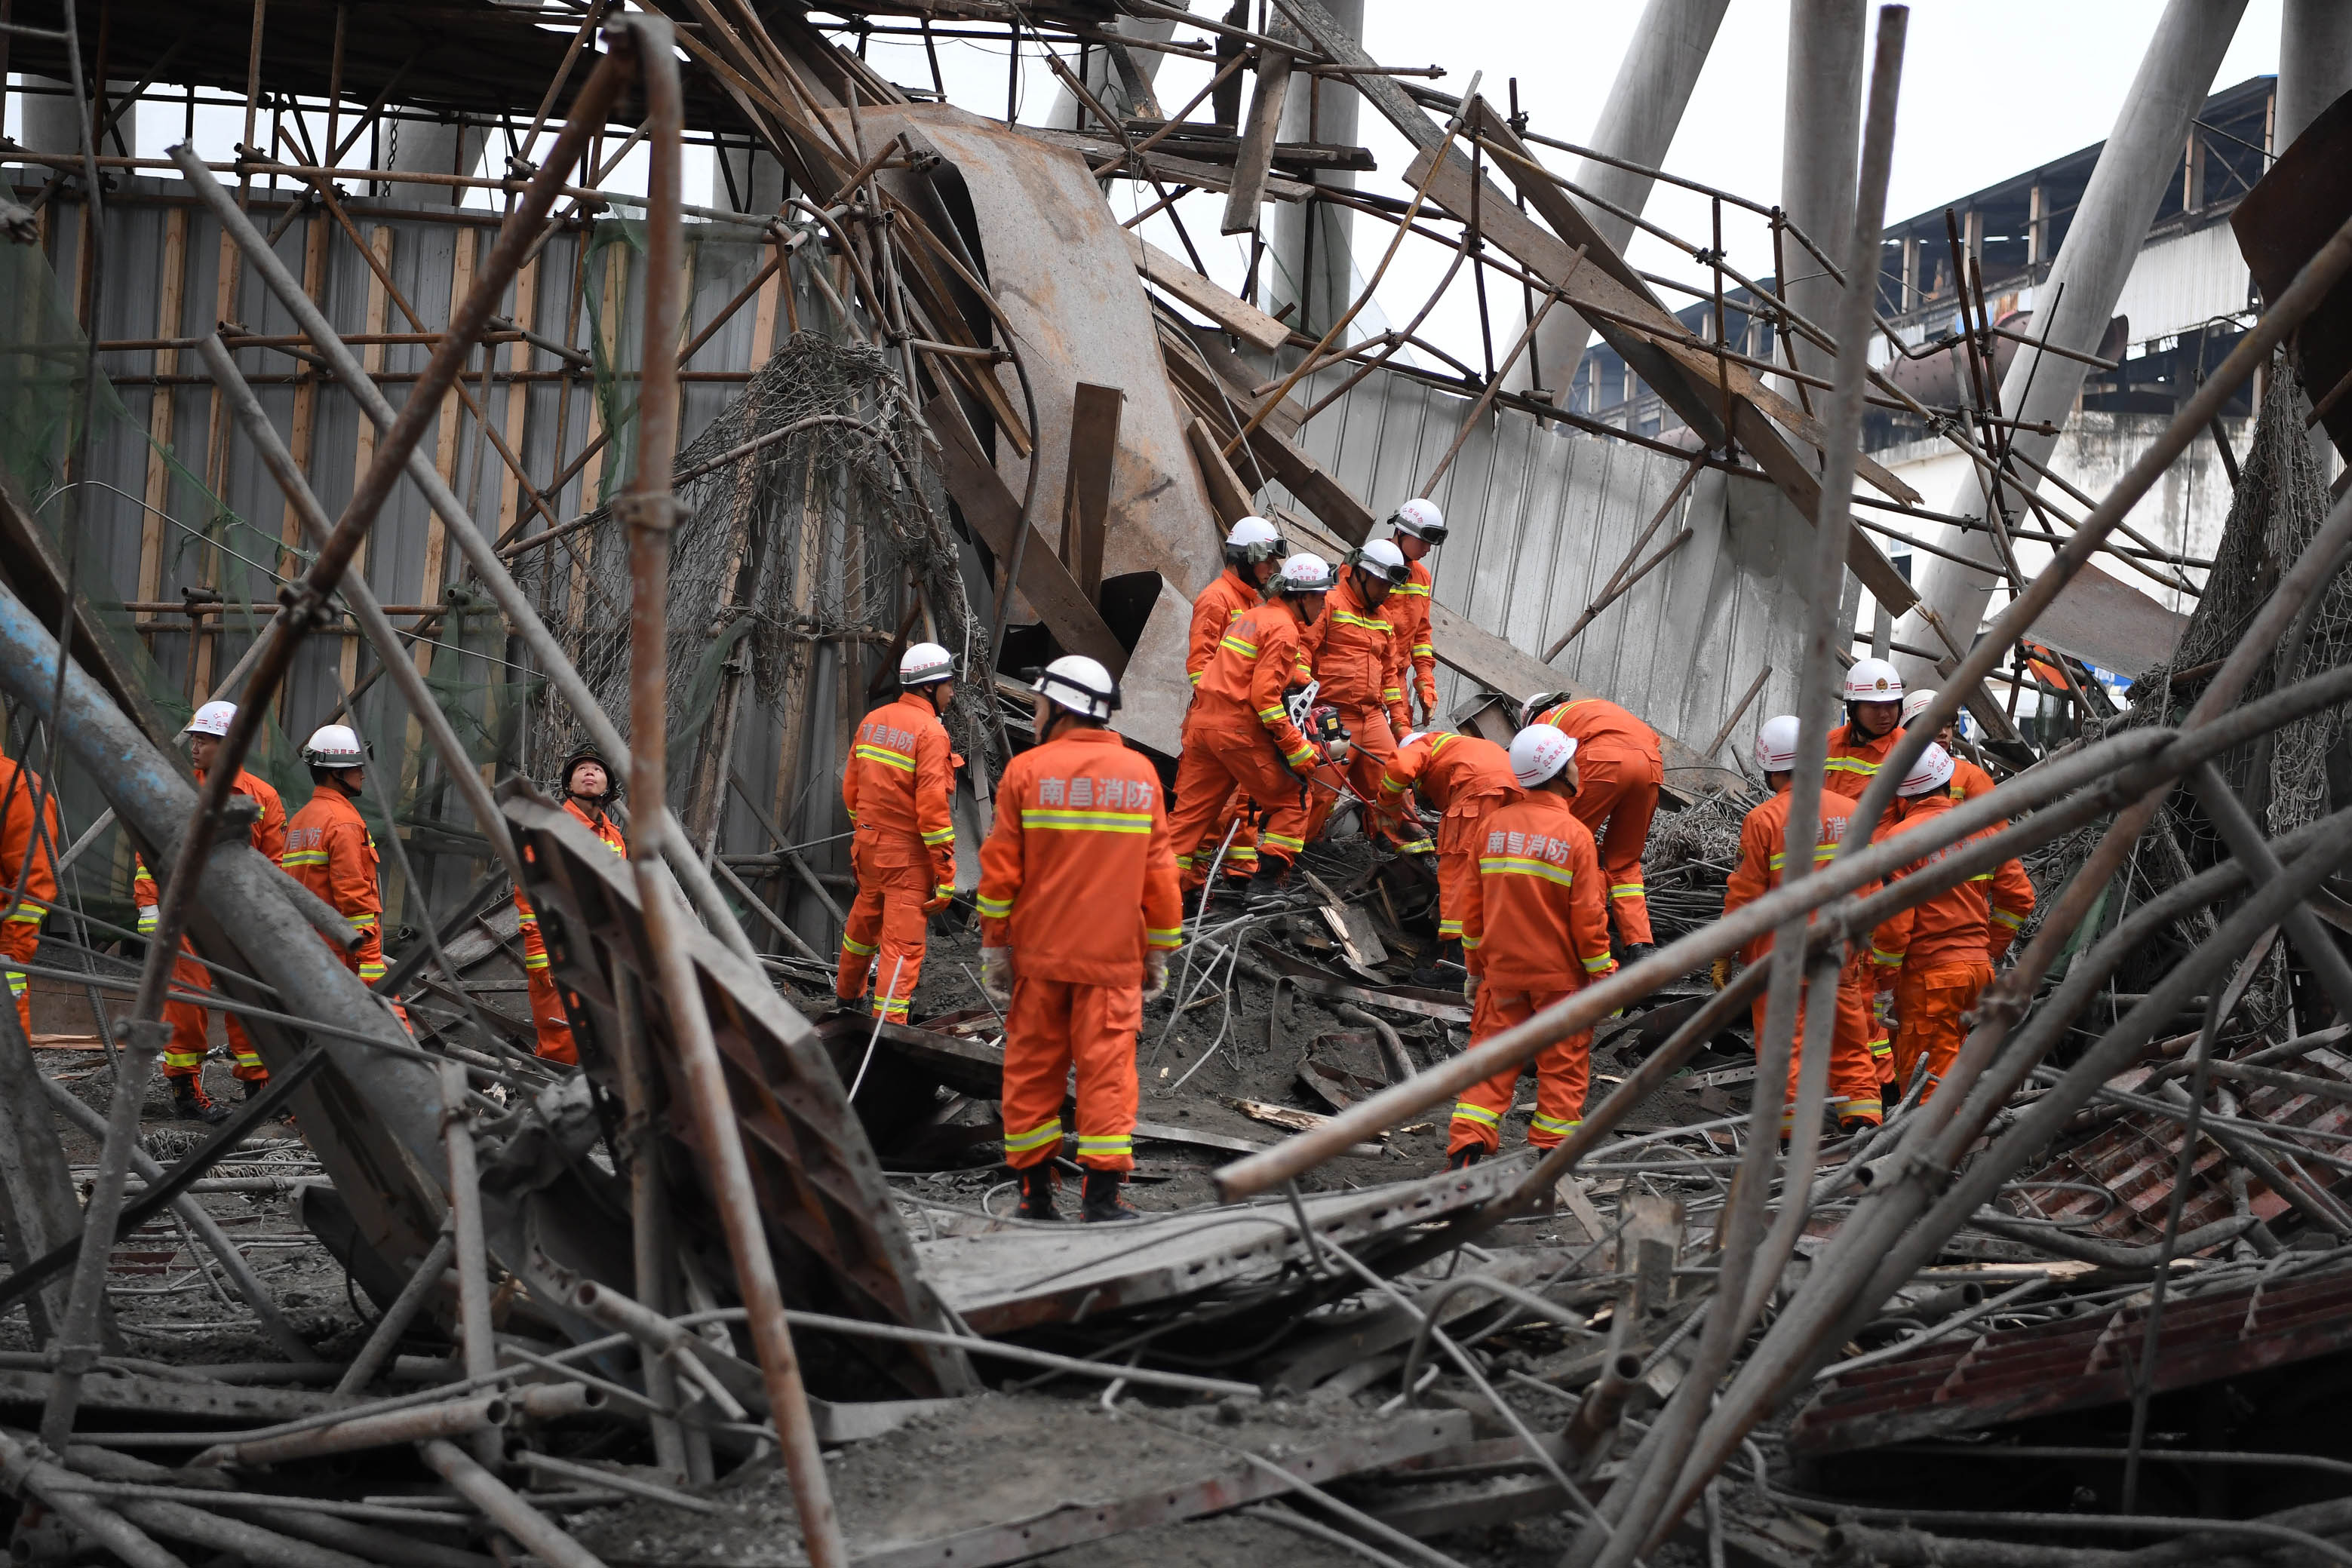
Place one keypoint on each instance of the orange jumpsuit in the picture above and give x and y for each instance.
(185, 1056)
(329, 850)
(1463, 778)
(1359, 659)
(1857, 1045)
(1620, 773)
(896, 786)
(1535, 927)
(547, 1014)
(1222, 603)
(1077, 878)
(20, 932)
(1853, 760)
(1947, 946)
(1407, 610)
(1238, 735)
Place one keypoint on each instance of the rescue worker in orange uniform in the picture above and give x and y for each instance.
(1874, 714)
(1079, 910)
(1462, 778)
(1239, 734)
(1416, 528)
(1618, 757)
(1535, 928)
(329, 850)
(29, 852)
(587, 789)
(1358, 661)
(183, 1059)
(1857, 1043)
(1968, 781)
(1947, 945)
(898, 788)
(1253, 552)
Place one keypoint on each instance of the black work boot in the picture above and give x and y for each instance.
(1435, 974)
(252, 1087)
(1271, 885)
(1103, 1203)
(1037, 1185)
(190, 1101)
(1635, 952)
(1463, 1158)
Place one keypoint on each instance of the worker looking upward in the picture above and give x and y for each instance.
(588, 789)
(897, 789)
(1535, 927)
(1239, 734)
(1079, 910)
(1254, 553)
(1618, 759)
(183, 1059)
(1416, 528)
(329, 850)
(1358, 663)
(1873, 714)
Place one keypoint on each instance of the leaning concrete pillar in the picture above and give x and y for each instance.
(1308, 262)
(1820, 126)
(2314, 70)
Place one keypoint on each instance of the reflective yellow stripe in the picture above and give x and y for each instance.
(992, 908)
(1300, 758)
(855, 949)
(1392, 694)
(1449, 930)
(1240, 854)
(1347, 618)
(1821, 853)
(1626, 890)
(303, 857)
(1392, 785)
(944, 889)
(1163, 938)
(17, 982)
(1247, 650)
(1195, 676)
(1539, 1122)
(1469, 943)
(1271, 715)
(1850, 765)
(939, 836)
(1881, 956)
(538, 963)
(1520, 865)
(1409, 590)
(1280, 842)
(894, 1008)
(2008, 919)
(1106, 1143)
(1062, 821)
(1418, 847)
(1465, 1112)
(1858, 1107)
(1596, 966)
(1036, 1137)
(371, 971)
(529, 920)
(1981, 876)
(1424, 651)
(362, 922)
(149, 918)
(885, 755)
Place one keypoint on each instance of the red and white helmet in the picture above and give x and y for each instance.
(1539, 752)
(925, 665)
(1305, 573)
(1929, 774)
(1915, 704)
(1080, 684)
(213, 718)
(335, 746)
(1873, 681)
(1422, 519)
(1776, 744)
(1383, 560)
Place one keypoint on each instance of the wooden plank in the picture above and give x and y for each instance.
(1317, 489)
(1227, 494)
(1253, 160)
(379, 306)
(1085, 485)
(994, 513)
(158, 490)
(1231, 311)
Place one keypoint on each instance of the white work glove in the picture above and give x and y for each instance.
(1882, 1004)
(996, 975)
(1470, 988)
(1155, 974)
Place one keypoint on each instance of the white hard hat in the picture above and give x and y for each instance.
(1915, 704)
(1539, 752)
(1410, 736)
(1539, 704)
(1384, 560)
(1873, 681)
(213, 718)
(1422, 519)
(1776, 744)
(925, 665)
(1080, 684)
(1251, 540)
(1929, 774)
(1305, 573)
(334, 746)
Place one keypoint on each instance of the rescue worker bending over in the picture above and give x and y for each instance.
(896, 788)
(1462, 777)
(1417, 528)
(587, 789)
(329, 850)
(1873, 712)
(1947, 943)
(1238, 734)
(1857, 1043)
(28, 852)
(1254, 553)
(1617, 754)
(1968, 781)
(1358, 661)
(1535, 927)
(183, 1059)
(1078, 911)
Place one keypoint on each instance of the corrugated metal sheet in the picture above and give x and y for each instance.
(2181, 281)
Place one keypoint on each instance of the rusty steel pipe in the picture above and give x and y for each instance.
(21, 1475)
(77, 1341)
(475, 1336)
(535, 1402)
(454, 1419)
(1594, 1427)
(505, 1507)
(649, 510)
(396, 1318)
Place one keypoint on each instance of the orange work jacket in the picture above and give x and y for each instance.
(1461, 776)
(1536, 917)
(19, 787)
(1356, 654)
(1255, 661)
(534, 949)
(1763, 855)
(896, 788)
(1602, 728)
(1853, 760)
(1221, 604)
(1076, 876)
(1957, 927)
(268, 837)
(329, 850)
(1407, 610)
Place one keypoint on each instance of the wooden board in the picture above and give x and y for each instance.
(1227, 494)
(1172, 275)
(1085, 489)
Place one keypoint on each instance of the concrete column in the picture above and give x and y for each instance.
(2110, 226)
(1821, 127)
(429, 147)
(2314, 70)
(758, 181)
(1109, 85)
(1637, 123)
(52, 122)
(1308, 262)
